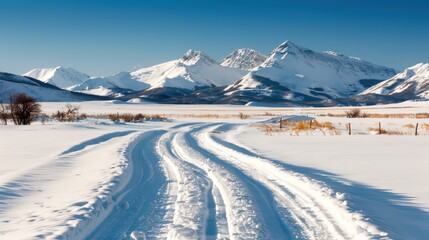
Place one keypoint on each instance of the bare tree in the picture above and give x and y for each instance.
(353, 113)
(23, 109)
(72, 109)
(68, 115)
(4, 113)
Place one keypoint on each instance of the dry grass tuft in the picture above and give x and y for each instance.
(409, 126)
(300, 127)
(386, 132)
(353, 113)
(243, 116)
(379, 115)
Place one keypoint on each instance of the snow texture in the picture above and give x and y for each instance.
(322, 75)
(62, 77)
(244, 58)
(412, 83)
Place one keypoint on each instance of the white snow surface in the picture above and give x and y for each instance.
(62, 77)
(243, 58)
(214, 178)
(413, 82)
(318, 74)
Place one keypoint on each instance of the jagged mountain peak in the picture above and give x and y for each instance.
(243, 58)
(320, 74)
(333, 53)
(192, 57)
(62, 77)
(287, 46)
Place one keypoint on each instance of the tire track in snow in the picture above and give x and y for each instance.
(189, 184)
(138, 197)
(189, 212)
(308, 206)
(246, 200)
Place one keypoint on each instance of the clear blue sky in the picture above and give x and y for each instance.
(102, 37)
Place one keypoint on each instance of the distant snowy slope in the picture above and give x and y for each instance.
(317, 74)
(10, 83)
(412, 83)
(110, 86)
(194, 69)
(244, 58)
(62, 77)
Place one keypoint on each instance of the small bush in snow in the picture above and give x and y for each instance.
(4, 113)
(353, 113)
(70, 114)
(243, 116)
(23, 109)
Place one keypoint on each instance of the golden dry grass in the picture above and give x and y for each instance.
(409, 126)
(386, 131)
(379, 115)
(299, 128)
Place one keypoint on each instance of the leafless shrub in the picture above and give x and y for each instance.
(59, 115)
(23, 109)
(83, 116)
(139, 117)
(129, 117)
(114, 117)
(4, 113)
(243, 116)
(70, 114)
(269, 114)
(353, 113)
(72, 109)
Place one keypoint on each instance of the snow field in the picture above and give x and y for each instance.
(62, 196)
(314, 207)
(209, 179)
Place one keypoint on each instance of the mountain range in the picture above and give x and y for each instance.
(412, 83)
(290, 74)
(11, 83)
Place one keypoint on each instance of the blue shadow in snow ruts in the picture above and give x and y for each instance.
(391, 212)
(97, 140)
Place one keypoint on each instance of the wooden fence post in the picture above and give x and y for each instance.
(281, 120)
(417, 127)
(350, 129)
(379, 128)
(310, 123)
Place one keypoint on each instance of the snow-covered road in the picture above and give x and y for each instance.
(187, 183)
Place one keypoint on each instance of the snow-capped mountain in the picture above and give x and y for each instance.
(11, 83)
(192, 71)
(412, 83)
(244, 58)
(62, 77)
(115, 85)
(195, 69)
(317, 74)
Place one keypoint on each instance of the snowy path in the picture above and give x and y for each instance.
(189, 184)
